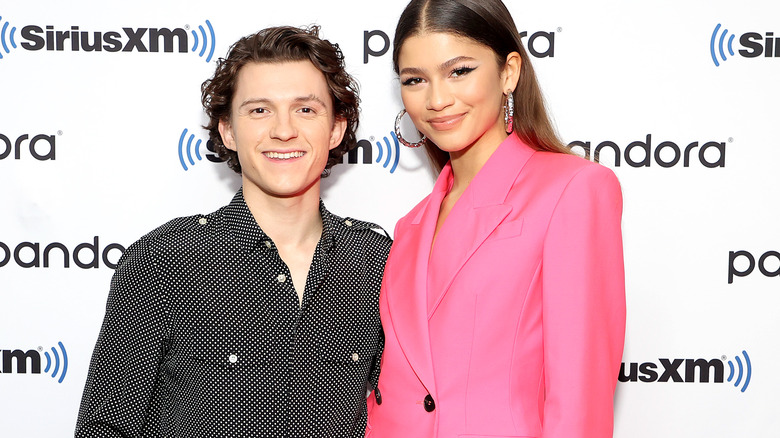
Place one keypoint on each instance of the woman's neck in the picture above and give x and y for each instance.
(467, 162)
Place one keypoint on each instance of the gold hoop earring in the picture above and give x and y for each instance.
(400, 137)
(509, 113)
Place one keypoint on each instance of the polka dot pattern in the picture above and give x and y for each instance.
(204, 337)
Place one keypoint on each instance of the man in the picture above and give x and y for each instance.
(260, 319)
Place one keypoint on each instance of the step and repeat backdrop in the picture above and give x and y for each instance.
(101, 141)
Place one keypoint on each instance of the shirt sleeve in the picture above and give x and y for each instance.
(373, 377)
(384, 250)
(123, 369)
(584, 311)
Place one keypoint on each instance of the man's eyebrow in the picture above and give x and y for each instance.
(256, 100)
(442, 67)
(310, 98)
(299, 99)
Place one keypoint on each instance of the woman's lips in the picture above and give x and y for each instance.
(443, 123)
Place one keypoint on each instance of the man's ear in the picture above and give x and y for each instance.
(226, 131)
(337, 133)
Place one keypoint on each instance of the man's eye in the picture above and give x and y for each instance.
(258, 111)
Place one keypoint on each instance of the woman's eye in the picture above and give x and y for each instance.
(412, 81)
(462, 71)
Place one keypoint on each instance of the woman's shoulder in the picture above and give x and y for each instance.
(569, 166)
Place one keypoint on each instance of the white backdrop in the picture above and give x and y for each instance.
(90, 145)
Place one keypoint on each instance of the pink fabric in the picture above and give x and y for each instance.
(523, 334)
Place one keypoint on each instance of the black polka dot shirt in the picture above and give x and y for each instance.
(204, 337)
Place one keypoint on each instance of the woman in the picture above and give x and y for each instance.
(503, 299)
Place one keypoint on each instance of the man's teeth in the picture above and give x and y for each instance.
(284, 156)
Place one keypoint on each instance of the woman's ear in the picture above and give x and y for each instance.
(510, 74)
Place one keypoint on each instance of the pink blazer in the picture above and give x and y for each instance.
(513, 325)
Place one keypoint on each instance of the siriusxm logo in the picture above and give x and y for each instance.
(540, 44)
(743, 371)
(640, 153)
(187, 147)
(30, 255)
(6, 37)
(754, 45)
(686, 370)
(766, 263)
(129, 39)
(18, 362)
(388, 151)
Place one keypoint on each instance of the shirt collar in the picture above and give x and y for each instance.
(330, 224)
(243, 226)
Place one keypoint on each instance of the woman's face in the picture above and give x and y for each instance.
(453, 89)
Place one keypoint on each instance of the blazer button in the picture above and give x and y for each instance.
(428, 403)
(378, 396)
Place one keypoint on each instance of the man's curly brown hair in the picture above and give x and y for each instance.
(275, 45)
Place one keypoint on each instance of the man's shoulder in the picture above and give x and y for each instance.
(182, 226)
(368, 232)
(177, 234)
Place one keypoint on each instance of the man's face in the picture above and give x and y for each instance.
(282, 126)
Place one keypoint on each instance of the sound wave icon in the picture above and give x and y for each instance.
(205, 42)
(721, 45)
(3, 32)
(745, 371)
(390, 149)
(189, 147)
(56, 368)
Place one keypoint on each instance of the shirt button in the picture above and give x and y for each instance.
(355, 357)
(232, 358)
(267, 243)
(281, 277)
(203, 221)
(348, 223)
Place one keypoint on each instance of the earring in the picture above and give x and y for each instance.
(509, 112)
(400, 137)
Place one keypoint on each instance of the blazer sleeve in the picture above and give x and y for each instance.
(583, 306)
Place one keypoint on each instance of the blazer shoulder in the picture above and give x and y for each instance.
(567, 167)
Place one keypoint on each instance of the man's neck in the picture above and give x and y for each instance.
(294, 224)
(289, 222)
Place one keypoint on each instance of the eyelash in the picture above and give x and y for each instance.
(305, 110)
(462, 71)
(457, 72)
(411, 81)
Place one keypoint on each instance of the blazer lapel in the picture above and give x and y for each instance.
(467, 226)
(477, 213)
(406, 291)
